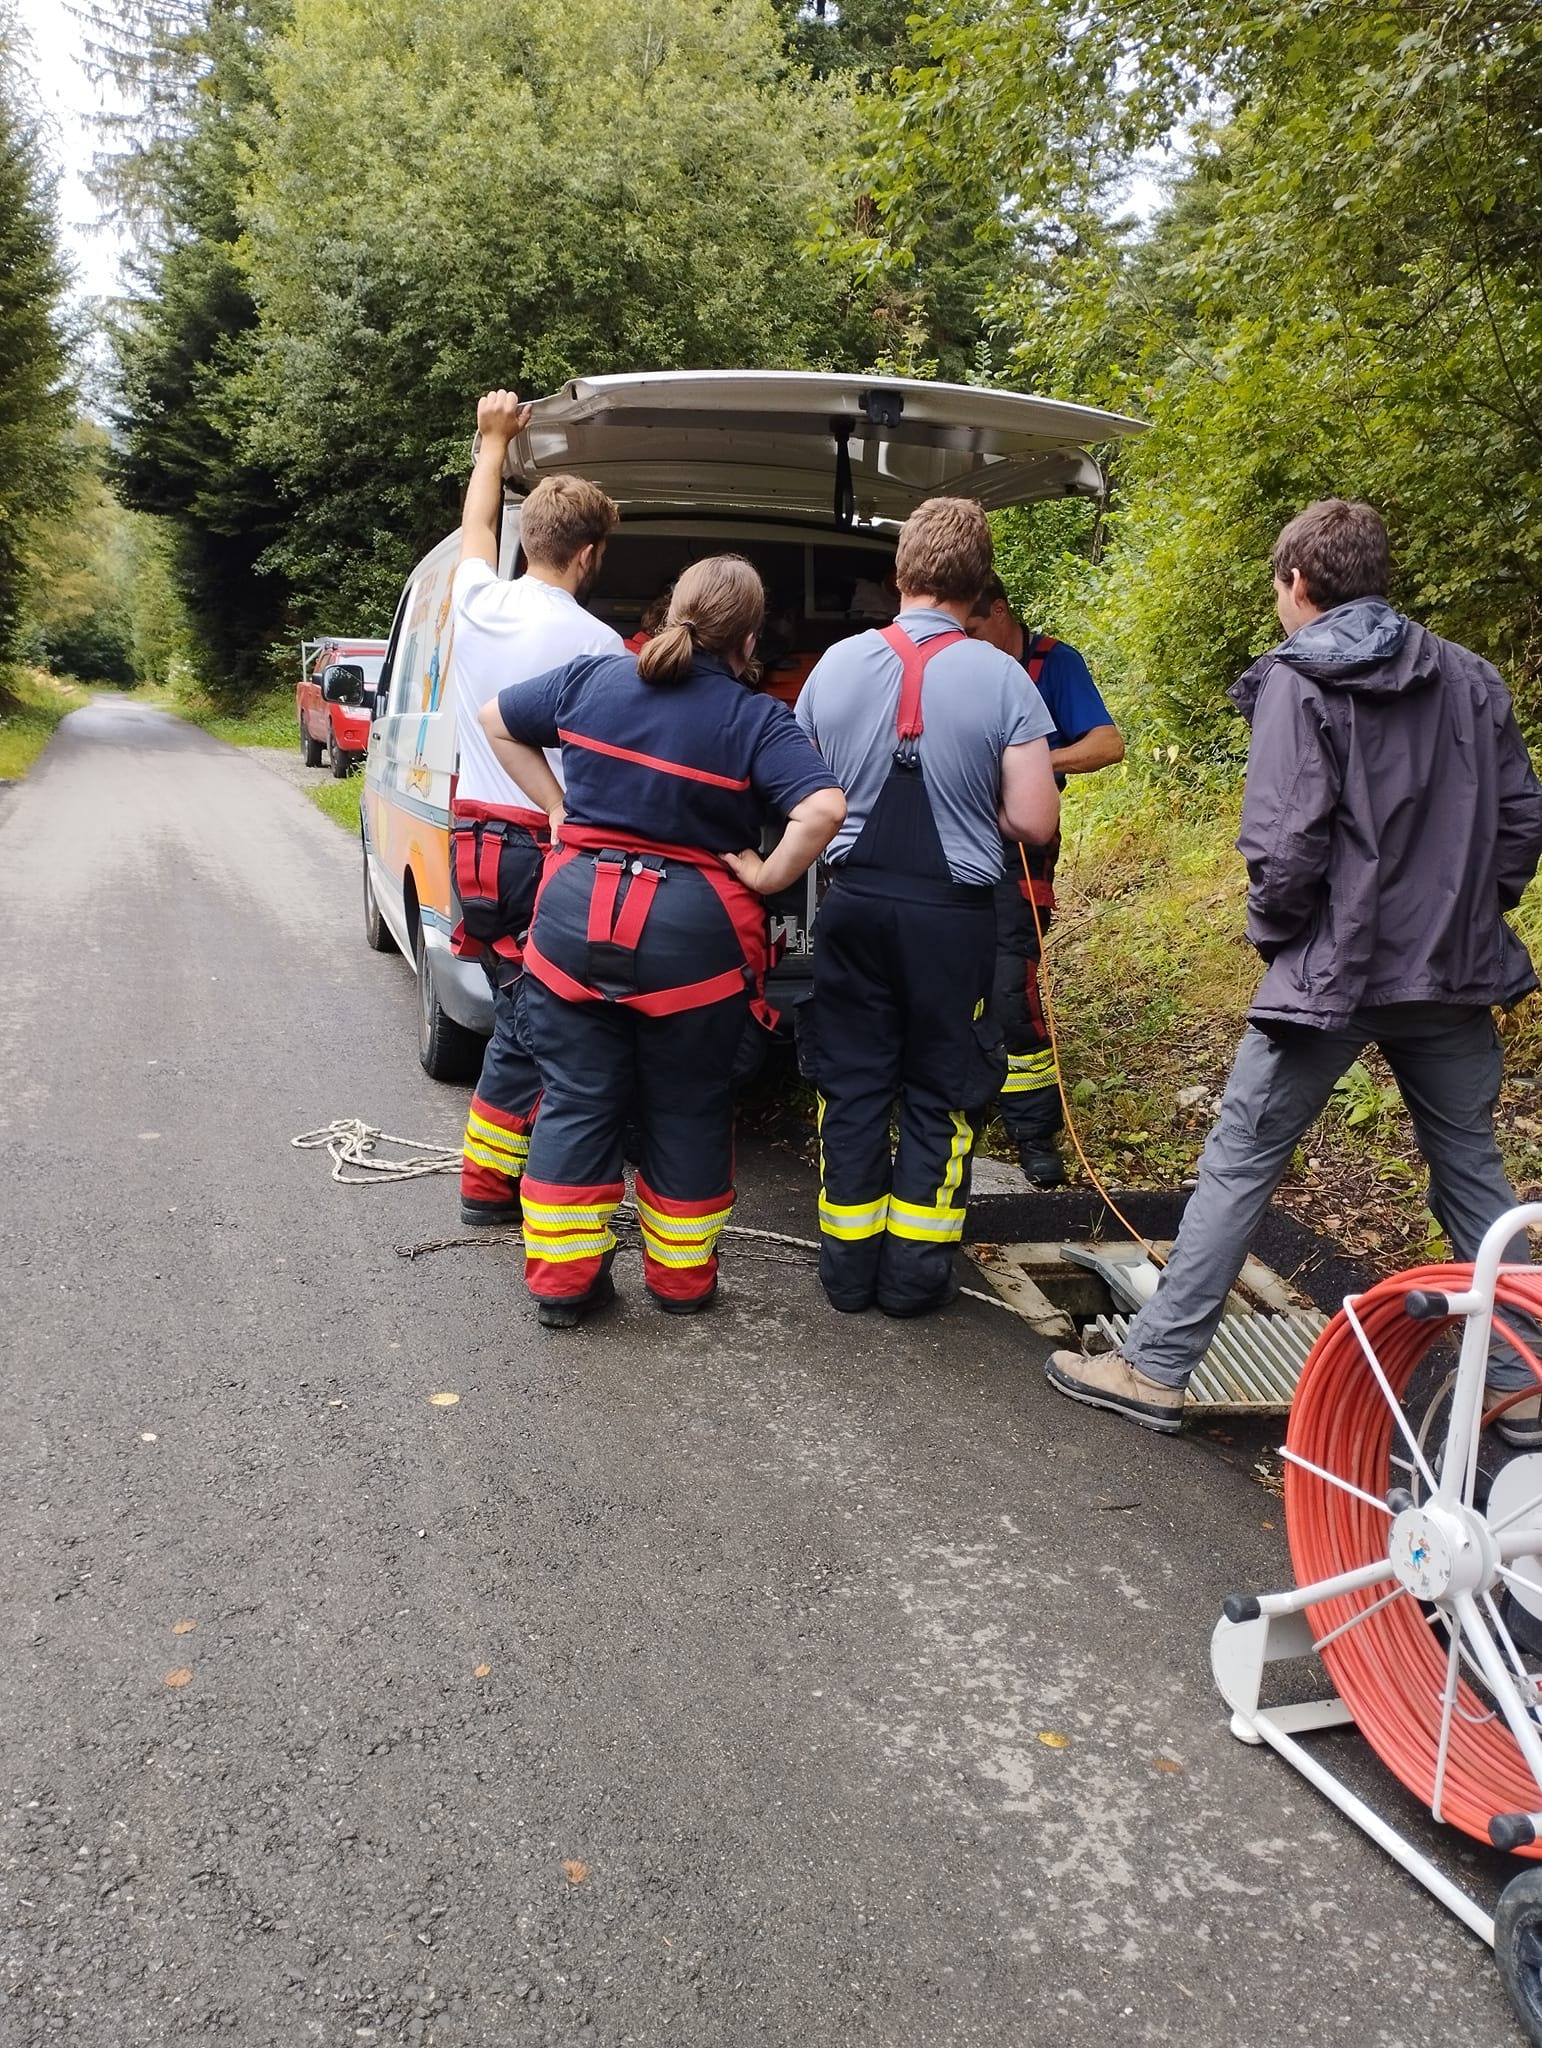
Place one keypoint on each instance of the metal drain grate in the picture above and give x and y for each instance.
(1253, 1364)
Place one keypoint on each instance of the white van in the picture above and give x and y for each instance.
(808, 475)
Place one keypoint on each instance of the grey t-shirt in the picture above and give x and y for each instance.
(975, 701)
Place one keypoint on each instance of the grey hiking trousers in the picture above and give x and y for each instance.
(1446, 1060)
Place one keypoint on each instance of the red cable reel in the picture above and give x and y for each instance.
(1392, 1664)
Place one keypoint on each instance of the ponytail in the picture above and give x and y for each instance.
(667, 656)
(715, 607)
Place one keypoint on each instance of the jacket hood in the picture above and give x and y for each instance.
(1364, 647)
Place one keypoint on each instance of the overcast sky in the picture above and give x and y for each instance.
(67, 100)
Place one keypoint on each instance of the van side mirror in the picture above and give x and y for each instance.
(343, 683)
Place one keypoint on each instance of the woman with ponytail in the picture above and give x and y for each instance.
(650, 942)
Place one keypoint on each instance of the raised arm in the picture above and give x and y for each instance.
(501, 418)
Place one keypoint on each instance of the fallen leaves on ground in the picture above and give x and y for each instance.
(443, 1400)
(1165, 1763)
(574, 1871)
(1052, 1741)
(183, 1628)
(482, 1671)
(177, 1679)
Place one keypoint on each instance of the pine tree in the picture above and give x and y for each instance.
(36, 402)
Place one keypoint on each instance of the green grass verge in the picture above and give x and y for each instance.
(267, 721)
(339, 801)
(32, 702)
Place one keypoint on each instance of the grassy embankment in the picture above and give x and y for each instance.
(32, 702)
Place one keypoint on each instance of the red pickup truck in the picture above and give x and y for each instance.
(334, 699)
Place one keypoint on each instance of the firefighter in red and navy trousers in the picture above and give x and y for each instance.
(650, 941)
(505, 632)
(939, 744)
(1085, 739)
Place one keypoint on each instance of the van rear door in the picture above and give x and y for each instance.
(792, 444)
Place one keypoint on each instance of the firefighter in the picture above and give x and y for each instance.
(505, 632)
(1085, 739)
(940, 745)
(650, 941)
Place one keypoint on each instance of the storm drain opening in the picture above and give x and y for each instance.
(1091, 1291)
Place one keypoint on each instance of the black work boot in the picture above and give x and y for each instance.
(567, 1315)
(1042, 1162)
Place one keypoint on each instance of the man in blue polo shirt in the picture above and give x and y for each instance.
(1085, 739)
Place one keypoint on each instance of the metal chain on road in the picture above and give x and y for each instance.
(350, 1142)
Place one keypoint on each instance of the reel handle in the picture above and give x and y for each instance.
(1424, 1306)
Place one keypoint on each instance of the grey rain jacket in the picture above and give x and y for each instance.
(1391, 818)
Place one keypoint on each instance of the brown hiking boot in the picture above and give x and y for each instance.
(1110, 1381)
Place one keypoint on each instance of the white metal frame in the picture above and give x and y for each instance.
(1442, 1550)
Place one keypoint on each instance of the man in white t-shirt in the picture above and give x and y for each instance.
(507, 633)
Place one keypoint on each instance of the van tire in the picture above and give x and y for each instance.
(447, 1051)
(377, 933)
(310, 750)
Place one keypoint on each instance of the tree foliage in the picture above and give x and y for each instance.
(184, 338)
(486, 193)
(35, 398)
(1339, 294)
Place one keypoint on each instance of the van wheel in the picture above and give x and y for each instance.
(339, 760)
(447, 1050)
(377, 933)
(310, 750)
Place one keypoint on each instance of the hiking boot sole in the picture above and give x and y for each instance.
(1166, 1421)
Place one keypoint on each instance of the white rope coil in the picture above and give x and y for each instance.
(349, 1141)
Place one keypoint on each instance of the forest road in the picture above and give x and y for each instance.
(686, 1683)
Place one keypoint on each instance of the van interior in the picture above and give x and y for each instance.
(819, 589)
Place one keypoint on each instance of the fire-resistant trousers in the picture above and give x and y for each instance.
(1029, 1104)
(508, 1092)
(604, 1065)
(899, 1022)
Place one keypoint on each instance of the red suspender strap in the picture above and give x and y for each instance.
(913, 660)
(1038, 653)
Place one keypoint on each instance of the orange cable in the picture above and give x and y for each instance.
(1046, 991)
(1390, 1668)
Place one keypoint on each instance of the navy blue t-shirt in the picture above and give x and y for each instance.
(695, 763)
(1070, 695)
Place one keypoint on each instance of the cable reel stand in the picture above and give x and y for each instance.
(1416, 1575)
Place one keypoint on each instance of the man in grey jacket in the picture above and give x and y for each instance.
(1391, 818)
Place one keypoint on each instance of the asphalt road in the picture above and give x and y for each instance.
(686, 1683)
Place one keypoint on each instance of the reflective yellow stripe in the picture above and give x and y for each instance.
(697, 1254)
(681, 1229)
(938, 1226)
(502, 1157)
(558, 1248)
(958, 1152)
(495, 1136)
(593, 1215)
(850, 1221)
(1028, 1072)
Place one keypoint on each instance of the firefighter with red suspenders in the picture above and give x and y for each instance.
(650, 941)
(939, 745)
(1085, 739)
(505, 632)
